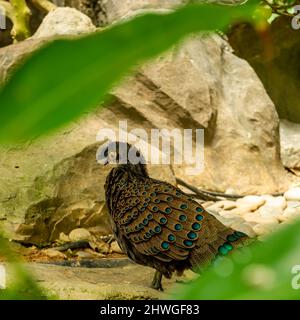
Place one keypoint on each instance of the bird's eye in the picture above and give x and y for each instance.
(106, 152)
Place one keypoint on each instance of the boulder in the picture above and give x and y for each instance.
(276, 62)
(201, 84)
(64, 21)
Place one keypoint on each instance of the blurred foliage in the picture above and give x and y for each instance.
(260, 271)
(20, 284)
(68, 77)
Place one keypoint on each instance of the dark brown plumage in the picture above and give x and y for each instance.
(156, 224)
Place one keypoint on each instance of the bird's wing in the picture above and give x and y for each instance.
(159, 219)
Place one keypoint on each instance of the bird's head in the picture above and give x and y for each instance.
(121, 153)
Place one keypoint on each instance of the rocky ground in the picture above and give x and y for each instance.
(81, 265)
(129, 281)
(258, 215)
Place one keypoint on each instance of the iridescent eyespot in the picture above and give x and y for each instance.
(149, 216)
(182, 217)
(196, 226)
(183, 206)
(239, 234)
(199, 217)
(163, 220)
(188, 243)
(165, 245)
(228, 246)
(153, 194)
(192, 235)
(171, 237)
(168, 210)
(232, 238)
(178, 226)
(156, 200)
(155, 209)
(169, 198)
(157, 229)
(198, 209)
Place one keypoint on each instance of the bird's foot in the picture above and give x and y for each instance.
(156, 282)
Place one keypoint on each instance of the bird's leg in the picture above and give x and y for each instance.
(156, 282)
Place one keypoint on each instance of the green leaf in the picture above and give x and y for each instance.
(22, 285)
(67, 77)
(262, 271)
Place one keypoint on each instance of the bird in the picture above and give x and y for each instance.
(156, 224)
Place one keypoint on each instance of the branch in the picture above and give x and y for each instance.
(199, 193)
(20, 19)
(214, 196)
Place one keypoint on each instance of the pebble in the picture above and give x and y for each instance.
(115, 247)
(99, 246)
(228, 205)
(245, 228)
(52, 253)
(293, 204)
(257, 218)
(63, 237)
(229, 222)
(89, 254)
(265, 228)
(291, 213)
(253, 202)
(292, 194)
(242, 209)
(276, 202)
(84, 255)
(79, 234)
(268, 211)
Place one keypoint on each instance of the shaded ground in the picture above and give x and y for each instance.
(129, 281)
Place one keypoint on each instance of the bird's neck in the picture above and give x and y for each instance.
(133, 170)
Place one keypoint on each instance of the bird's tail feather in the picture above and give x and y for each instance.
(217, 240)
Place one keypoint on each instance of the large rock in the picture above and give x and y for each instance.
(202, 84)
(64, 21)
(104, 12)
(275, 58)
